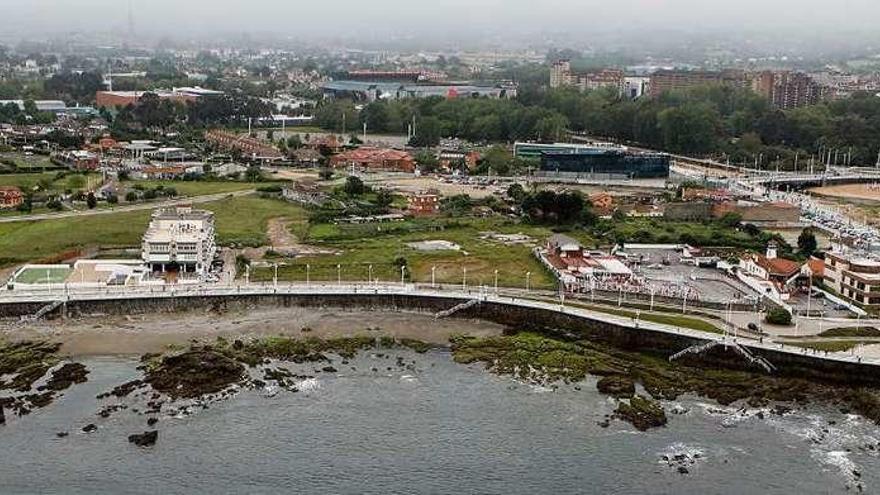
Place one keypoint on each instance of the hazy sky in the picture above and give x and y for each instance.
(369, 17)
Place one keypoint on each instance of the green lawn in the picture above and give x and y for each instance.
(199, 188)
(831, 345)
(47, 181)
(865, 331)
(663, 319)
(239, 220)
(380, 245)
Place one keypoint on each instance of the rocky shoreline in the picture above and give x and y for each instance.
(178, 383)
(23, 365)
(543, 359)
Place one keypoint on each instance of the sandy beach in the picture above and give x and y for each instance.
(139, 334)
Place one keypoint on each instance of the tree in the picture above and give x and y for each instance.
(778, 316)
(384, 198)
(807, 243)
(325, 173)
(91, 201)
(294, 142)
(354, 187)
(254, 174)
(131, 197)
(516, 192)
(428, 133)
(730, 219)
(427, 161)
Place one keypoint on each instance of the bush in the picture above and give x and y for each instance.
(778, 316)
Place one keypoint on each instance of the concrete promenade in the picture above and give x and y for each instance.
(514, 298)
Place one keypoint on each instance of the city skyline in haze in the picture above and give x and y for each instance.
(349, 19)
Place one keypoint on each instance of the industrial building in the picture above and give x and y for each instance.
(371, 91)
(535, 150)
(180, 239)
(117, 99)
(606, 163)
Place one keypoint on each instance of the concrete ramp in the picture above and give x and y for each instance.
(43, 311)
(457, 308)
(742, 351)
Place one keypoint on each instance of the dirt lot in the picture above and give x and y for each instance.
(869, 192)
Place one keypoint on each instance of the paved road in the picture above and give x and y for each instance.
(121, 209)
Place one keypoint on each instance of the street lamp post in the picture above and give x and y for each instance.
(433, 277)
(496, 282)
(684, 300)
(308, 270)
(402, 274)
(464, 278)
(339, 274)
(528, 276)
(370, 274)
(275, 278)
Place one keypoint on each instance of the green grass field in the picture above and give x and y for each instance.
(43, 275)
(24, 161)
(242, 222)
(239, 220)
(380, 245)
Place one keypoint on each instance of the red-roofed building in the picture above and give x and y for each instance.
(10, 197)
(780, 271)
(367, 158)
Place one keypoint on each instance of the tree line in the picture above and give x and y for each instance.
(726, 122)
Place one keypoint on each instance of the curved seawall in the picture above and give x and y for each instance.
(516, 313)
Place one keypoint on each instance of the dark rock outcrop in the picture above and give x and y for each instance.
(144, 439)
(194, 373)
(642, 412)
(618, 386)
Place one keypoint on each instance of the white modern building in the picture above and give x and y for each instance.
(180, 240)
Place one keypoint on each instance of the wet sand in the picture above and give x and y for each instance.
(139, 334)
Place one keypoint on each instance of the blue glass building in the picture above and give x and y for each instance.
(607, 162)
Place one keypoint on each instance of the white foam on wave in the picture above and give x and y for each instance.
(308, 385)
(681, 454)
(408, 378)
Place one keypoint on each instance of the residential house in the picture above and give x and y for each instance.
(367, 158)
(10, 197)
(780, 272)
(424, 203)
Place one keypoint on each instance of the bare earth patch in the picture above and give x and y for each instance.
(111, 335)
(283, 242)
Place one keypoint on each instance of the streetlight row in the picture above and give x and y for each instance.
(370, 275)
